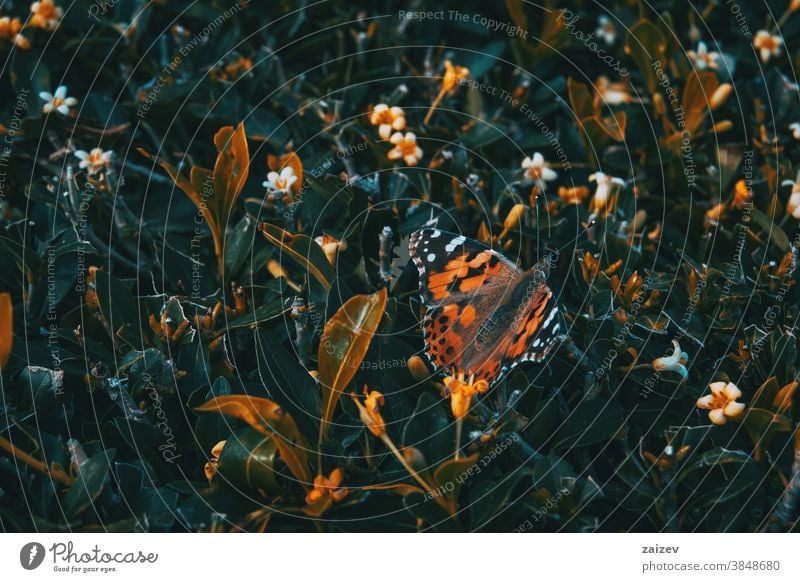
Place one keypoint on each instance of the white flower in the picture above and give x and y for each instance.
(280, 182)
(94, 161)
(703, 59)
(536, 169)
(405, 146)
(58, 101)
(606, 185)
(768, 45)
(722, 402)
(387, 119)
(673, 363)
(331, 246)
(612, 93)
(606, 29)
(795, 129)
(45, 15)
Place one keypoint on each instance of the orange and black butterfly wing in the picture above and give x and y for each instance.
(462, 283)
(484, 315)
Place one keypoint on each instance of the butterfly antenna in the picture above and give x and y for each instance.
(538, 226)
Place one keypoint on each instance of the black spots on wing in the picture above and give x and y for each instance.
(449, 351)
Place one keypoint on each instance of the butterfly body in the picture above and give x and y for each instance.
(484, 314)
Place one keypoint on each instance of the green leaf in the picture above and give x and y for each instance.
(88, 483)
(592, 421)
(429, 429)
(488, 498)
(287, 381)
(431, 513)
(259, 315)
(116, 301)
(449, 478)
(771, 226)
(239, 244)
(248, 461)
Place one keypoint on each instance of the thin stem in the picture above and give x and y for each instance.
(782, 20)
(459, 426)
(433, 107)
(54, 473)
(388, 442)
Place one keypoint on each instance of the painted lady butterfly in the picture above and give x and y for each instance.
(485, 315)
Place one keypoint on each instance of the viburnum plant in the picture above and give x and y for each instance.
(216, 315)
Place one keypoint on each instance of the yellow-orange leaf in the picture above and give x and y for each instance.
(304, 251)
(700, 86)
(232, 167)
(580, 99)
(343, 346)
(215, 192)
(6, 328)
(268, 418)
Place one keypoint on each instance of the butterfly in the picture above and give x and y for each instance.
(484, 314)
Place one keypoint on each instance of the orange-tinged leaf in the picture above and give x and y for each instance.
(260, 413)
(232, 167)
(6, 328)
(517, 12)
(553, 35)
(215, 192)
(766, 394)
(580, 99)
(304, 251)
(202, 191)
(700, 86)
(645, 44)
(268, 418)
(782, 403)
(343, 346)
(179, 179)
(615, 125)
(595, 136)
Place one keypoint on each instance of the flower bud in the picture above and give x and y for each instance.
(418, 369)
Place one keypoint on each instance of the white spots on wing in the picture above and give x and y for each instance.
(436, 234)
(431, 258)
(549, 319)
(458, 241)
(536, 343)
(555, 327)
